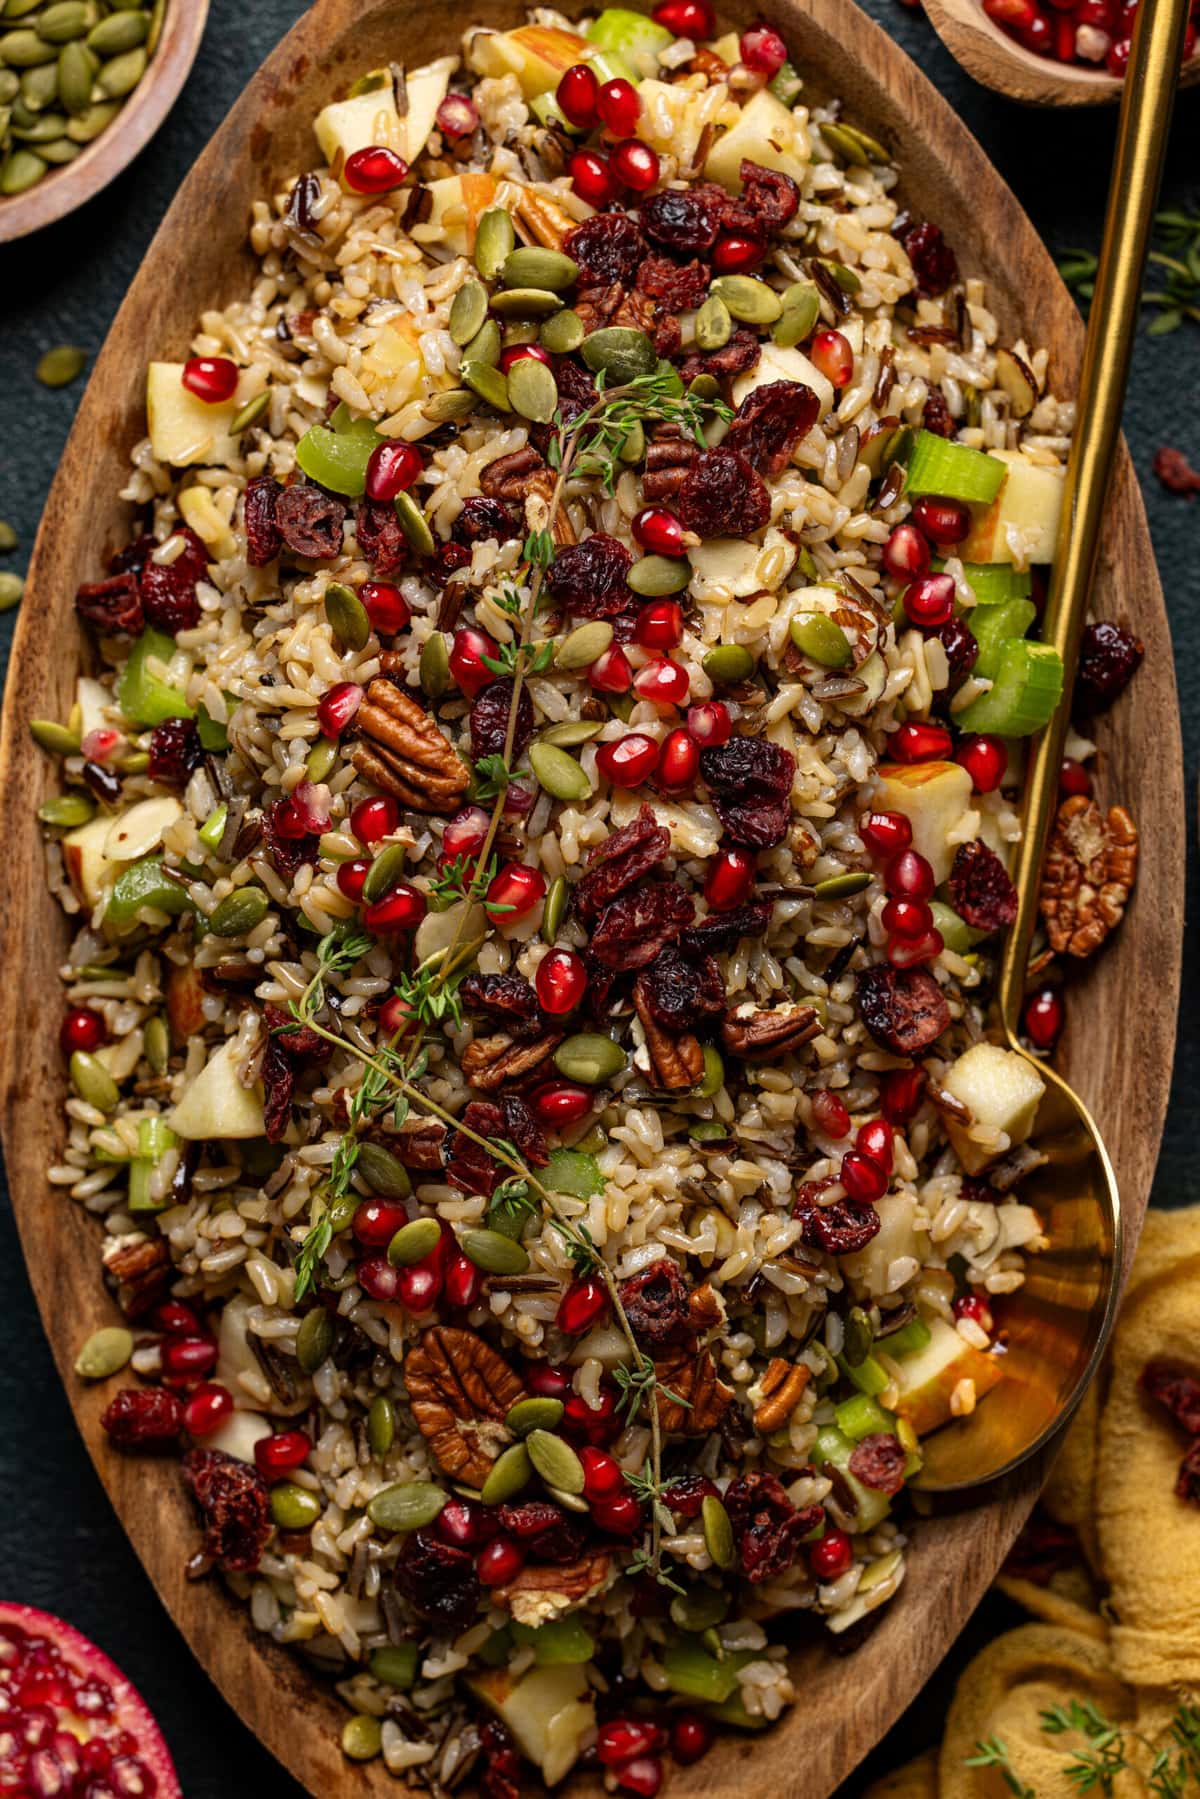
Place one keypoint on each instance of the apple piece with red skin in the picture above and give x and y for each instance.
(929, 1376)
(546, 1710)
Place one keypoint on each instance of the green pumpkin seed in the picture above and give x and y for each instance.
(250, 413)
(93, 1083)
(60, 366)
(409, 1505)
(294, 1507)
(468, 311)
(713, 1078)
(633, 447)
(718, 1532)
(453, 403)
(44, 130)
(414, 525)
(62, 150)
(705, 387)
(21, 112)
(654, 576)
(158, 19)
(510, 1473)
(842, 886)
(414, 1241)
(91, 123)
(533, 1414)
(68, 810)
(555, 1461)
(156, 1043)
(621, 352)
(816, 636)
(954, 929)
(120, 32)
(341, 1212)
(572, 1502)
(25, 49)
(708, 1130)
(532, 390)
(121, 75)
(77, 71)
(19, 9)
(714, 323)
(494, 1252)
(49, 735)
(384, 1173)
(314, 1339)
(858, 1337)
(239, 912)
(700, 1609)
(846, 149)
(362, 1737)
(105, 1353)
(562, 333)
(68, 19)
(801, 311)
(536, 267)
(134, 762)
(347, 616)
(384, 872)
(10, 86)
(21, 170)
(39, 89)
(371, 83)
(11, 588)
(488, 383)
(748, 299)
(433, 670)
(318, 764)
(558, 773)
(589, 1058)
(573, 731)
(870, 146)
(728, 662)
(485, 346)
(381, 1425)
(494, 241)
(581, 647)
(395, 1665)
(846, 278)
(555, 908)
(8, 537)
(525, 303)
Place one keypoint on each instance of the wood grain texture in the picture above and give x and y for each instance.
(65, 188)
(1122, 1014)
(999, 62)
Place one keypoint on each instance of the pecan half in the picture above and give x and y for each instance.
(691, 1398)
(763, 1036)
(669, 456)
(490, 1063)
(541, 1591)
(523, 475)
(782, 1387)
(542, 219)
(140, 1268)
(675, 1062)
(402, 751)
(1090, 869)
(459, 1390)
(418, 1146)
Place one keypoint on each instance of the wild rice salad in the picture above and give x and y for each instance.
(537, 836)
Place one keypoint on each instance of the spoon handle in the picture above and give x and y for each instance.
(1137, 168)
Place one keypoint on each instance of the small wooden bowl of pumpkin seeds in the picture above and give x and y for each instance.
(84, 85)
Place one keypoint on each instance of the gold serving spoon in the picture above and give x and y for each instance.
(1056, 1324)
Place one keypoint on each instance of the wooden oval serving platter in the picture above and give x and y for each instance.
(1118, 1052)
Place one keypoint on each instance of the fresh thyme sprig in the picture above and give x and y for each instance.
(1174, 1771)
(1176, 252)
(992, 1754)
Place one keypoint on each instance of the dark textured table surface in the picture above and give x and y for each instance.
(60, 1545)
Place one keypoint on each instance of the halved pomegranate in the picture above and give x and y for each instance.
(71, 1725)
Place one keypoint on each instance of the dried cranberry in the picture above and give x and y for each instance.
(767, 1528)
(1177, 1390)
(523, 1131)
(439, 1582)
(258, 516)
(840, 1229)
(751, 782)
(904, 1009)
(508, 997)
(1042, 1550)
(380, 540)
(677, 286)
(656, 1303)
(722, 496)
(640, 923)
(1109, 657)
(961, 649)
(620, 860)
(686, 1495)
(489, 720)
(112, 605)
(680, 992)
(447, 559)
(608, 247)
(934, 263)
(1175, 471)
(588, 578)
(482, 518)
(980, 890)
(769, 195)
(543, 1530)
(286, 847)
(175, 750)
(681, 219)
(469, 1166)
(279, 1085)
(298, 1042)
(733, 358)
(935, 415)
(1187, 1483)
(501, 1777)
(168, 589)
(143, 1417)
(770, 422)
(878, 1461)
(721, 930)
(310, 521)
(237, 1510)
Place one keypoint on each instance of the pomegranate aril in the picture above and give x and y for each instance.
(395, 1014)
(610, 672)
(465, 834)
(1038, 35)
(909, 876)
(734, 253)
(559, 1104)
(1117, 59)
(862, 1178)
(207, 1410)
(832, 355)
(583, 1304)
(659, 625)
(175, 1318)
(597, 1424)
(619, 107)
(662, 681)
(373, 819)
(337, 707)
(679, 763)
(1073, 778)
(82, 1029)
(522, 353)
(906, 554)
(545, 1382)
(729, 880)
(391, 469)
(591, 179)
(463, 1524)
(401, 909)
(1064, 35)
(576, 95)
(561, 981)
(516, 890)
(686, 18)
(658, 531)
(885, 834)
(710, 723)
(976, 1308)
(621, 1740)
(906, 917)
(943, 521)
(279, 1455)
(635, 164)
(915, 742)
(875, 1139)
(500, 1562)
(901, 1093)
(1044, 1017)
(621, 1515)
(189, 1358)
(351, 877)
(691, 1738)
(602, 1474)
(1013, 15)
(385, 606)
(628, 761)
(212, 379)
(830, 1114)
(762, 50)
(832, 1556)
(909, 952)
(985, 760)
(376, 1222)
(463, 1283)
(375, 170)
(419, 1286)
(644, 1776)
(457, 117)
(929, 601)
(466, 660)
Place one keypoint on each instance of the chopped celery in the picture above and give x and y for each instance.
(498, 1648)
(870, 1507)
(560, 1641)
(1027, 687)
(992, 625)
(868, 1376)
(213, 737)
(951, 470)
(573, 1172)
(145, 698)
(912, 1336)
(956, 932)
(143, 884)
(213, 828)
(734, 1713)
(692, 1671)
(629, 34)
(338, 459)
(992, 582)
(861, 1417)
(396, 1665)
(155, 1138)
(547, 111)
(786, 84)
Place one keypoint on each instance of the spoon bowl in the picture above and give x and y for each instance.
(997, 61)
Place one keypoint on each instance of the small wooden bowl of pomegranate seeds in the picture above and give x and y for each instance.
(1047, 52)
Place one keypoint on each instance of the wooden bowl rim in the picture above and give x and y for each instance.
(74, 184)
(998, 62)
(842, 1712)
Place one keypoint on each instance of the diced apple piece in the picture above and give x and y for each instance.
(89, 868)
(98, 709)
(546, 1710)
(216, 1104)
(929, 1376)
(728, 48)
(538, 55)
(673, 118)
(731, 566)
(371, 118)
(1021, 524)
(895, 1239)
(777, 364)
(606, 1343)
(458, 203)
(185, 993)
(768, 133)
(184, 430)
(426, 89)
(139, 829)
(1002, 1089)
(238, 1435)
(933, 797)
